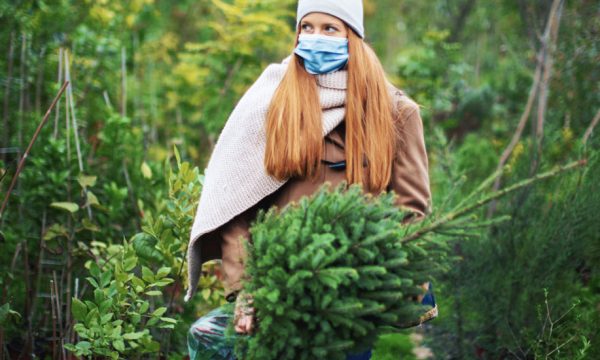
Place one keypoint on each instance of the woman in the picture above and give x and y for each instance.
(325, 114)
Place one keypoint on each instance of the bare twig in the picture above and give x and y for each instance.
(549, 317)
(107, 100)
(24, 157)
(538, 89)
(13, 263)
(549, 40)
(590, 128)
(521, 125)
(560, 346)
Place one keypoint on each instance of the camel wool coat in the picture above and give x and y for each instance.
(409, 180)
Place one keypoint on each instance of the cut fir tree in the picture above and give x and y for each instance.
(330, 273)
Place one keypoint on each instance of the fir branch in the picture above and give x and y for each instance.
(445, 219)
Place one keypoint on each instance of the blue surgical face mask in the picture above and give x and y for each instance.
(322, 53)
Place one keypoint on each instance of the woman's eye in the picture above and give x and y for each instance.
(306, 27)
(331, 29)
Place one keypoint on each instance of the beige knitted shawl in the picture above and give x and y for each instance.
(235, 178)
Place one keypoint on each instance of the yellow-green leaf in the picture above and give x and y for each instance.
(87, 224)
(159, 312)
(68, 206)
(146, 171)
(206, 294)
(133, 336)
(91, 199)
(86, 181)
(55, 231)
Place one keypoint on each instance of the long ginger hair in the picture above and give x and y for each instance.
(294, 126)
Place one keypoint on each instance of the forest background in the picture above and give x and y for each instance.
(109, 187)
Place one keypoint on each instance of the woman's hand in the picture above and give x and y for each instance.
(244, 313)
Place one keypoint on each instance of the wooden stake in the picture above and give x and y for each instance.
(7, 87)
(54, 319)
(60, 76)
(72, 109)
(123, 82)
(71, 105)
(22, 90)
(59, 316)
(39, 82)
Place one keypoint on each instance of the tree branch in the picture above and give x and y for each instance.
(541, 71)
(437, 224)
(549, 41)
(24, 157)
(590, 128)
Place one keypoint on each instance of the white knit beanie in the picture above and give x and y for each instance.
(350, 11)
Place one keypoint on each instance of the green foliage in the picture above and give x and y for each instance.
(457, 104)
(7, 314)
(330, 273)
(556, 335)
(549, 247)
(166, 235)
(134, 283)
(119, 319)
(393, 347)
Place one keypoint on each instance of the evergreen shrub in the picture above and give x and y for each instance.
(329, 273)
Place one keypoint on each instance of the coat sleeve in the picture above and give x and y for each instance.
(410, 168)
(234, 234)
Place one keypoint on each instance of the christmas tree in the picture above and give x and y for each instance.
(329, 274)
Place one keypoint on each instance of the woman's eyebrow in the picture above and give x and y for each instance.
(305, 22)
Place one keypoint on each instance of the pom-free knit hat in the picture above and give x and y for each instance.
(350, 11)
